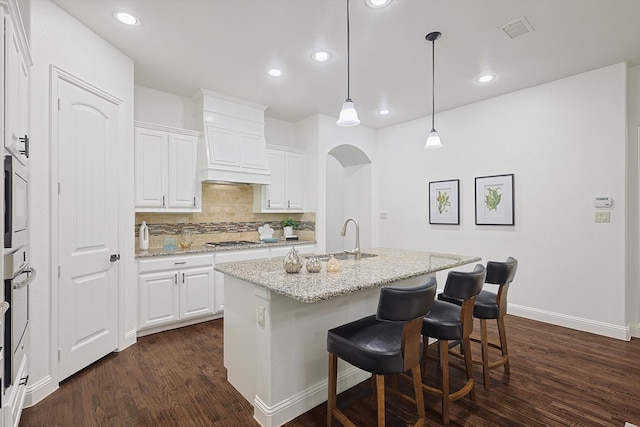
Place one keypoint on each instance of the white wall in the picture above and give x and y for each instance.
(163, 108)
(565, 141)
(58, 39)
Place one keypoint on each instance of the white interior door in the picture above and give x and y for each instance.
(88, 135)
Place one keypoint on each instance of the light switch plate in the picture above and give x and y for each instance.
(602, 216)
(383, 215)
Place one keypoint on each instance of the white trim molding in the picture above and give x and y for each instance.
(573, 322)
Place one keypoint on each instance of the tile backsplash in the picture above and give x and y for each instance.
(227, 214)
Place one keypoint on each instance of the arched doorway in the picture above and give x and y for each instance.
(348, 194)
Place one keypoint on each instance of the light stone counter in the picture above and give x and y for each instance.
(154, 252)
(275, 324)
(391, 265)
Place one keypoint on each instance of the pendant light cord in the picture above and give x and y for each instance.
(433, 84)
(348, 55)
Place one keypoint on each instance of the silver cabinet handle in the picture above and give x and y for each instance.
(175, 279)
(268, 203)
(194, 202)
(31, 275)
(288, 203)
(162, 201)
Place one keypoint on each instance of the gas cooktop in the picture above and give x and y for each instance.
(230, 243)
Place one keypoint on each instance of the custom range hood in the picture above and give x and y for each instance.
(234, 149)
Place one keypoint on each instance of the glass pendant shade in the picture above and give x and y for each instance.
(348, 114)
(433, 140)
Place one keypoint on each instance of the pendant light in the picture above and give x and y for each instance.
(433, 140)
(348, 114)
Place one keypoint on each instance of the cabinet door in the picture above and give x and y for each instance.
(222, 147)
(183, 182)
(294, 181)
(253, 152)
(16, 93)
(150, 168)
(219, 290)
(196, 292)
(275, 197)
(158, 303)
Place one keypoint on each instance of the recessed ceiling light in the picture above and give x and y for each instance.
(376, 4)
(321, 56)
(127, 18)
(486, 78)
(274, 72)
(383, 111)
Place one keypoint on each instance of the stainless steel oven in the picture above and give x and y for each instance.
(15, 203)
(18, 276)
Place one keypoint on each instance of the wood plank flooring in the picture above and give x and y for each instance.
(559, 377)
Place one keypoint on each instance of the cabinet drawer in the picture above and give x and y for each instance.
(245, 255)
(174, 262)
(281, 251)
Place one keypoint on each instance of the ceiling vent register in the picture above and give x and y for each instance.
(516, 28)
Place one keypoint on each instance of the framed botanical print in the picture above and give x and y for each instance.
(444, 202)
(494, 200)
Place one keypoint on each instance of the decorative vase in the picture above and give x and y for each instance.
(186, 239)
(288, 231)
(314, 265)
(333, 266)
(292, 262)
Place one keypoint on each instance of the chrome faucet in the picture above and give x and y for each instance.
(356, 251)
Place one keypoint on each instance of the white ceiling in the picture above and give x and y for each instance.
(228, 45)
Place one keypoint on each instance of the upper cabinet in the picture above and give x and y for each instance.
(16, 86)
(285, 193)
(166, 172)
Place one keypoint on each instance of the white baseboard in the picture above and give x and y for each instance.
(39, 390)
(129, 339)
(573, 322)
(635, 330)
(288, 409)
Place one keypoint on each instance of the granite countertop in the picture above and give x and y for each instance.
(391, 265)
(153, 252)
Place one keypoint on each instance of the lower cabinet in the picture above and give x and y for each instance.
(179, 290)
(14, 395)
(175, 289)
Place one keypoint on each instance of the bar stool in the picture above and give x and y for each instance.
(491, 305)
(384, 344)
(450, 322)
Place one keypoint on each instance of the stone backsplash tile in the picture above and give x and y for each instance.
(227, 214)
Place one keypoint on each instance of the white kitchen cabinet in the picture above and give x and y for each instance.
(166, 175)
(16, 88)
(286, 191)
(174, 290)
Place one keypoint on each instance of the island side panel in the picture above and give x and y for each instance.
(292, 362)
(240, 336)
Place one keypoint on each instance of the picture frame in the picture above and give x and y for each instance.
(444, 202)
(495, 200)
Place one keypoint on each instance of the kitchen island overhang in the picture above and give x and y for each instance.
(275, 324)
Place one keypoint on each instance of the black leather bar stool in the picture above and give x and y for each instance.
(449, 322)
(492, 305)
(385, 343)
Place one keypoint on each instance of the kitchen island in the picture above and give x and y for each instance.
(275, 324)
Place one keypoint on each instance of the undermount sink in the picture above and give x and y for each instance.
(344, 256)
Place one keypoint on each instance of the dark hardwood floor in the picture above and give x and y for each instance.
(559, 377)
